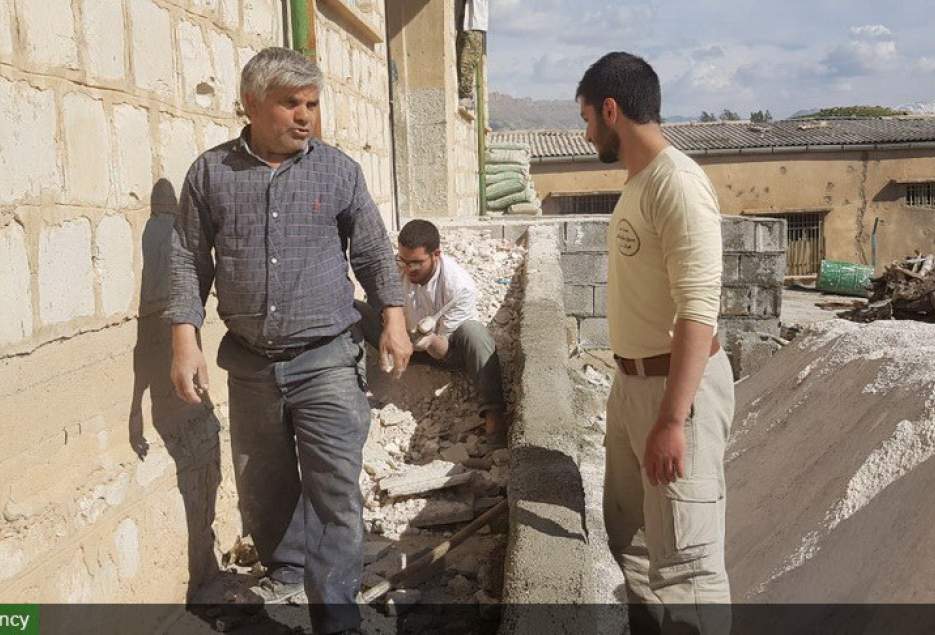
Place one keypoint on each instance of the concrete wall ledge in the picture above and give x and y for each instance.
(547, 559)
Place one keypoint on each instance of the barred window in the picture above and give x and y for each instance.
(920, 194)
(587, 203)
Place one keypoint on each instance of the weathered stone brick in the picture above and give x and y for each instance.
(585, 268)
(586, 236)
(87, 144)
(738, 234)
(765, 270)
(48, 31)
(152, 34)
(258, 20)
(579, 300)
(600, 300)
(229, 14)
(102, 22)
(177, 149)
(736, 301)
(6, 29)
(16, 307)
(29, 122)
(771, 234)
(66, 284)
(205, 7)
(215, 134)
(730, 272)
(227, 72)
(134, 154)
(592, 333)
(113, 261)
(198, 83)
(767, 302)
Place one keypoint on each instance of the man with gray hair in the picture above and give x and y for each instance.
(272, 219)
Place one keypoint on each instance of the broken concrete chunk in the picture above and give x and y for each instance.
(483, 463)
(460, 586)
(467, 424)
(501, 456)
(393, 416)
(456, 454)
(401, 599)
(425, 478)
(444, 512)
(371, 580)
(484, 503)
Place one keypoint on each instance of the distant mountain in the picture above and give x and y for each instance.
(523, 113)
(678, 119)
(804, 113)
(919, 107)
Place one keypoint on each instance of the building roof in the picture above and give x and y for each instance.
(743, 137)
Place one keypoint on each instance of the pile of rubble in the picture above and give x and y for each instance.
(428, 467)
(906, 290)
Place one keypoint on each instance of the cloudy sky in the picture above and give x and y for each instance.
(711, 54)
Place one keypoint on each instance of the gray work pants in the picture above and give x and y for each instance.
(471, 348)
(297, 432)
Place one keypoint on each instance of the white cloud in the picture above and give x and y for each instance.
(925, 65)
(871, 31)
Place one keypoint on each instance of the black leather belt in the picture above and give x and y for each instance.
(282, 354)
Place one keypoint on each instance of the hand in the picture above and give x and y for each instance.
(663, 459)
(394, 340)
(434, 345)
(189, 372)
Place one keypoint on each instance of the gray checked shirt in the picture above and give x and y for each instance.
(280, 240)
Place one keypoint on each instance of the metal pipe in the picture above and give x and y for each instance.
(481, 122)
(300, 30)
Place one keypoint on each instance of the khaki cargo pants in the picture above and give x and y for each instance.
(669, 539)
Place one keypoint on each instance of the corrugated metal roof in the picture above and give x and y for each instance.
(740, 136)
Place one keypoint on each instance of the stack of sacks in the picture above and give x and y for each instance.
(506, 179)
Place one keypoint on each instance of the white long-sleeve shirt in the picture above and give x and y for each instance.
(449, 281)
(476, 14)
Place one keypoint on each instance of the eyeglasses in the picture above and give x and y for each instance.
(411, 265)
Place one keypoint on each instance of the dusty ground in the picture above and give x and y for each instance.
(428, 416)
(829, 473)
(799, 306)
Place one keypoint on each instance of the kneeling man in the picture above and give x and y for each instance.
(441, 315)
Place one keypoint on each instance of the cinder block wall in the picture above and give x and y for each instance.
(111, 490)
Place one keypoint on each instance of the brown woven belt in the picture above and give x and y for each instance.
(657, 366)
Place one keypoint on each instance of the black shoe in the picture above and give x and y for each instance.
(273, 591)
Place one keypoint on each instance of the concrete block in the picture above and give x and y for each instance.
(87, 150)
(229, 14)
(103, 27)
(151, 41)
(258, 20)
(593, 333)
(585, 236)
(765, 270)
(15, 281)
(584, 268)
(736, 301)
(6, 29)
(177, 150)
(771, 234)
(215, 134)
(514, 231)
(579, 300)
(738, 234)
(600, 300)
(113, 262)
(730, 270)
(751, 351)
(198, 83)
(48, 33)
(767, 302)
(134, 154)
(30, 122)
(729, 327)
(227, 73)
(66, 285)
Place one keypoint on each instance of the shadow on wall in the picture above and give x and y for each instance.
(190, 433)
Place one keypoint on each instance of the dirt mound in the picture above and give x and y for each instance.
(829, 477)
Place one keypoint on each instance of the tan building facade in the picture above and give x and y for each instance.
(830, 190)
(111, 489)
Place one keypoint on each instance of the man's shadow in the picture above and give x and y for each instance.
(190, 434)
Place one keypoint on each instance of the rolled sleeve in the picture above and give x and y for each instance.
(371, 254)
(689, 225)
(192, 265)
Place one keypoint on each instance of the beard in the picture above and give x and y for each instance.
(608, 143)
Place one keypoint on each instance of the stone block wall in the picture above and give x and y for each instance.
(111, 490)
(355, 99)
(464, 158)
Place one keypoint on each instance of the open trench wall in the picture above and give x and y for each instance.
(110, 488)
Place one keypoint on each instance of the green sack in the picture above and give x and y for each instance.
(509, 146)
(516, 157)
(510, 186)
(501, 168)
(511, 199)
(499, 177)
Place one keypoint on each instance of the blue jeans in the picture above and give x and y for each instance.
(297, 433)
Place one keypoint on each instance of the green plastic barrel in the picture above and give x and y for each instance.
(844, 278)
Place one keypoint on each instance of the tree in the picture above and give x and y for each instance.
(707, 117)
(855, 111)
(729, 115)
(761, 117)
